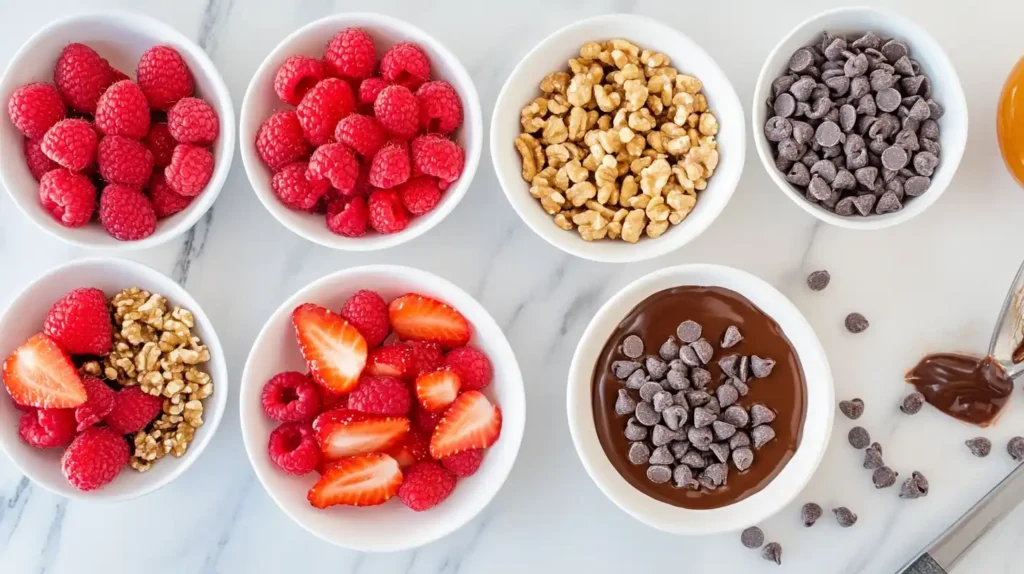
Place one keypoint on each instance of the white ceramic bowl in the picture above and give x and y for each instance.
(121, 38)
(310, 40)
(817, 425)
(551, 55)
(946, 90)
(392, 526)
(24, 317)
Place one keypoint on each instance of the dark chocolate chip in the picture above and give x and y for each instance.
(888, 203)
(646, 414)
(700, 377)
(722, 430)
(852, 409)
(895, 157)
(697, 398)
(912, 85)
(676, 380)
(735, 415)
(700, 438)
(704, 351)
(914, 487)
(714, 406)
(703, 417)
(655, 367)
(873, 456)
(732, 337)
(810, 513)
(828, 134)
(624, 404)
(662, 401)
(623, 369)
(920, 111)
(818, 280)
(856, 66)
(760, 414)
(743, 373)
(728, 364)
(720, 450)
(783, 83)
(864, 203)
(801, 60)
(633, 347)
(803, 132)
(929, 129)
(636, 380)
(884, 477)
(662, 435)
(826, 169)
(772, 552)
(858, 437)
(856, 323)
(661, 455)
(693, 459)
(916, 185)
(752, 537)
(679, 448)
(1016, 448)
(912, 403)
(762, 435)
(718, 473)
(635, 430)
(979, 446)
(688, 356)
(761, 368)
(674, 417)
(638, 453)
(669, 350)
(682, 477)
(845, 207)
(727, 395)
(739, 440)
(688, 331)
(784, 105)
(845, 517)
(925, 163)
(742, 458)
(680, 400)
(819, 188)
(868, 40)
(893, 50)
(659, 474)
(649, 389)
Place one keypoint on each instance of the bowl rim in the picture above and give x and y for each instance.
(211, 424)
(956, 99)
(220, 99)
(253, 449)
(580, 418)
(644, 250)
(472, 124)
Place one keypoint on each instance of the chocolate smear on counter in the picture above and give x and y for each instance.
(971, 389)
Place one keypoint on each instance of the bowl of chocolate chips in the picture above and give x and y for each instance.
(859, 117)
(700, 400)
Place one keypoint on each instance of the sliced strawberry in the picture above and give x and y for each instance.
(437, 389)
(334, 350)
(366, 480)
(424, 319)
(413, 448)
(344, 432)
(390, 361)
(471, 422)
(40, 374)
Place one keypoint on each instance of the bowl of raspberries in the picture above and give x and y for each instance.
(382, 408)
(360, 132)
(118, 131)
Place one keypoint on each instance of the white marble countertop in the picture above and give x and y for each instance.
(932, 284)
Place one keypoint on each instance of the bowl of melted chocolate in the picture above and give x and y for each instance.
(700, 400)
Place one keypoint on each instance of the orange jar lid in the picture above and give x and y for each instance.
(1010, 122)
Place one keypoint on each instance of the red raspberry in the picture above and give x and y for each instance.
(117, 75)
(71, 143)
(94, 458)
(280, 142)
(290, 397)
(293, 448)
(133, 410)
(438, 156)
(426, 420)
(322, 107)
(35, 108)
(296, 76)
(368, 312)
(82, 76)
(465, 463)
(190, 170)
(348, 217)
(369, 89)
(164, 77)
(80, 322)
(123, 111)
(47, 428)
(420, 194)
(390, 166)
(386, 212)
(335, 163)
(124, 160)
(295, 190)
(351, 54)
(425, 484)
(407, 64)
(69, 197)
(473, 367)
(397, 109)
(380, 396)
(193, 121)
(126, 214)
(161, 144)
(38, 163)
(165, 201)
(426, 356)
(98, 404)
(440, 107)
(361, 133)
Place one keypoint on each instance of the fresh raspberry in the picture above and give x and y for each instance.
(126, 214)
(38, 163)
(80, 322)
(68, 196)
(82, 76)
(386, 212)
(35, 108)
(420, 194)
(397, 109)
(473, 367)
(425, 420)
(133, 410)
(296, 76)
(368, 312)
(124, 160)
(290, 397)
(337, 164)
(164, 77)
(351, 54)
(117, 75)
(322, 107)
(99, 403)
(438, 156)
(280, 142)
(123, 111)
(190, 170)
(465, 463)
(369, 89)
(426, 356)
(440, 107)
(165, 201)
(71, 143)
(405, 63)
(425, 484)
(390, 166)
(161, 144)
(293, 448)
(348, 217)
(380, 396)
(193, 121)
(94, 458)
(361, 133)
(295, 190)
(47, 428)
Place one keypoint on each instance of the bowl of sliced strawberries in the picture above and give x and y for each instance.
(382, 408)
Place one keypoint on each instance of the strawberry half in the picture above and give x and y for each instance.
(424, 319)
(366, 480)
(413, 448)
(344, 432)
(437, 389)
(334, 350)
(471, 422)
(40, 374)
(390, 361)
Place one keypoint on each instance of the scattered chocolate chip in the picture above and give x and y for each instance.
(773, 552)
(649, 389)
(674, 417)
(810, 513)
(742, 457)
(845, 517)
(760, 414)
(739, 440)
(659, 474)
(633, 347)
(980, 446)
(818, 280)
(638, 453)
(703, 349)
(661, 455)
(1016, 448)
(914, 487)
(762, 435)
(912, 403)
(720, 450)
(732, 337)
(884, 477)
(624, 404)
(635, 430)
(688, 331)
(662, 401)
(856, 323)
(852, 409)
(873, 456)
(656, 368)
(646, 414)
(859, 437)
(761, 368)
(752, 537)
(623, 369)
(727, 395)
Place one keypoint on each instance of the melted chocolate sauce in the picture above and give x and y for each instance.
(972, 389)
